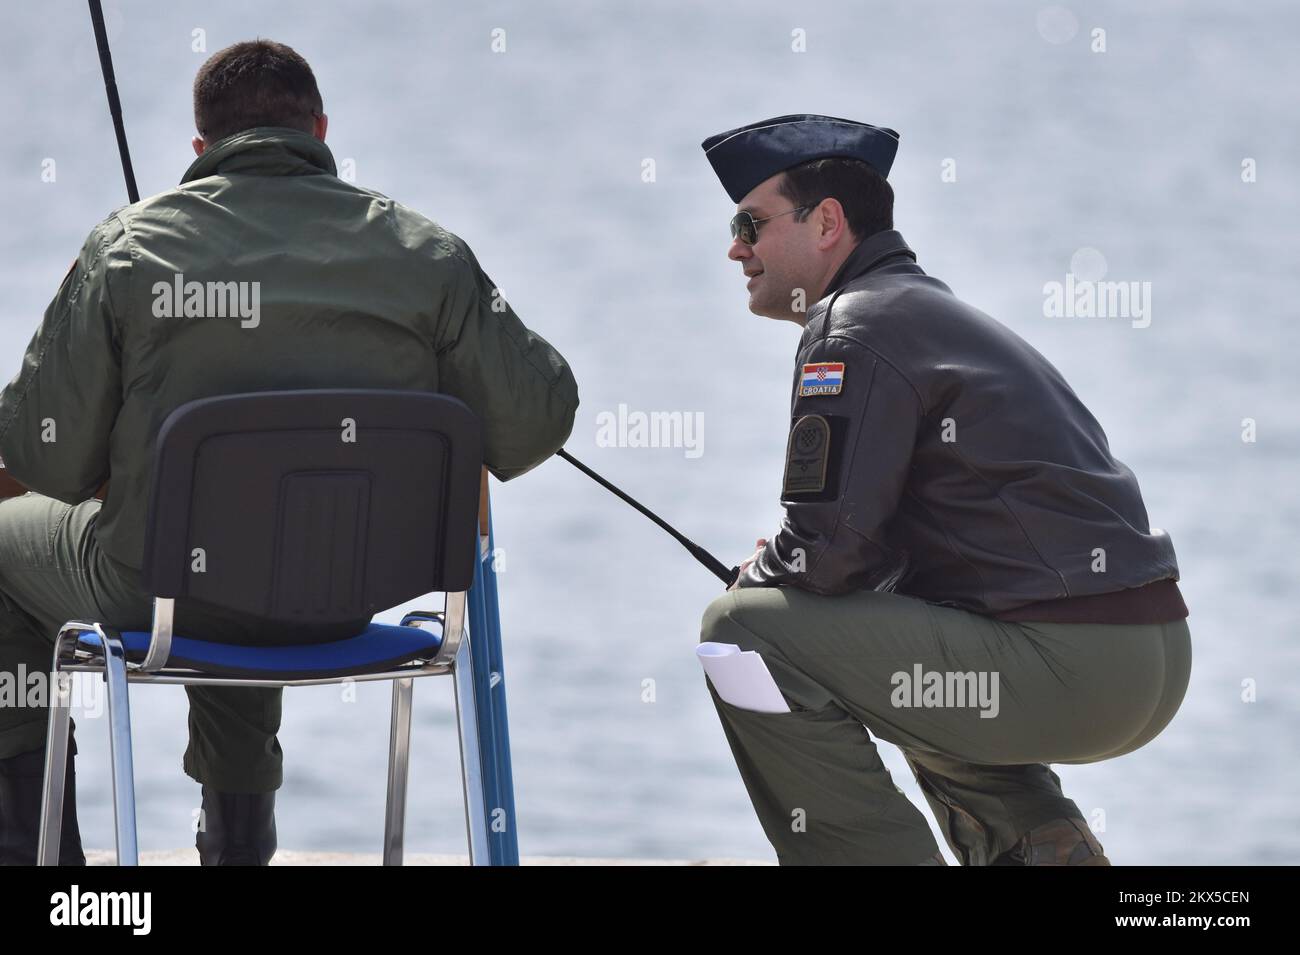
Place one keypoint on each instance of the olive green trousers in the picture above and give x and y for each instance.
(52, 570)
(979, 708)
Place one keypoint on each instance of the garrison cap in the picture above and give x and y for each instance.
(746, 156)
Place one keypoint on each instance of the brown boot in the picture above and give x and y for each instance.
(1059, 842)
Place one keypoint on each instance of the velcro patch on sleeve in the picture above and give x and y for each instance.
(806, 456)
(821, 378)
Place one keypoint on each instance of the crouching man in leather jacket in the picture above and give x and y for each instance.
(955, 525)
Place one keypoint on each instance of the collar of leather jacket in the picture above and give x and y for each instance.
(264, 151)
(869, 253)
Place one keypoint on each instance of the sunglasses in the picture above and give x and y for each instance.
(745, 227)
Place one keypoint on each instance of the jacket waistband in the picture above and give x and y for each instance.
(1157, 602)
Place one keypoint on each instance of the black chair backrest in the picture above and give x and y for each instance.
(314, 506)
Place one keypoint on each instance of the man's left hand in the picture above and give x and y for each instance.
(758, 549)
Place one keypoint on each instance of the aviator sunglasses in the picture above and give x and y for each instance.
(745, 227)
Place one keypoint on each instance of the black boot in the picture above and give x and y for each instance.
(238, 828)
(21, 781)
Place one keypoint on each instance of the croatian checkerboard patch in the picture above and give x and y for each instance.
(806, 456)
(821, 378)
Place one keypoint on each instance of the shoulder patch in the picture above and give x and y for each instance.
(821, 378)
(806, 456)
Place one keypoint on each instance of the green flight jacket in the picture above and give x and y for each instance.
(334, 286)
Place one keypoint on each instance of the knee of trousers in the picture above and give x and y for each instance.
(754, 620)
(738, 617)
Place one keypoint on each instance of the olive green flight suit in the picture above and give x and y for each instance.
(847, 666)
(262, 271)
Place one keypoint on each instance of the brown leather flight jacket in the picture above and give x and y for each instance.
(952, 462)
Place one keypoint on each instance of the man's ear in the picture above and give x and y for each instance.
(321, 124)
(832, 221)
(199, 145)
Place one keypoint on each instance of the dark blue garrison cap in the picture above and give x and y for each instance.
(744, 157)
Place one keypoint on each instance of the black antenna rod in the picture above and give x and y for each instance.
(114, 104)
(714, 565)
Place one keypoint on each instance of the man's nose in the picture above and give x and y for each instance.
(739, 251)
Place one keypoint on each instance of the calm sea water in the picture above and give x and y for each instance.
(1126, 162)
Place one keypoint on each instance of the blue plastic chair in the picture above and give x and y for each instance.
(344, 514)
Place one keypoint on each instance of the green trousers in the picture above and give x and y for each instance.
(51, 571)
(979, 708)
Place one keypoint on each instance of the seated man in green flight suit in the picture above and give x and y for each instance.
(345, 288)
(964, 570)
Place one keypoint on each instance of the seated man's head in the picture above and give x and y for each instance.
(819, 211)
(255, 83)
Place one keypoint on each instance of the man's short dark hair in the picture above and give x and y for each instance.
(254, 83)
(867, 198)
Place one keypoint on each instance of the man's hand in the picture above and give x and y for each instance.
(758, 549)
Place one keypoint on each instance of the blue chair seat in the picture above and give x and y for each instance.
(377, 648)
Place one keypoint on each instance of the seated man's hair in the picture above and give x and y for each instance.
(867, 198)
(255, 83)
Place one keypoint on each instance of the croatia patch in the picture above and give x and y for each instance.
(822, 378)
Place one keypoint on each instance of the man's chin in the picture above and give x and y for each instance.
(768, 310)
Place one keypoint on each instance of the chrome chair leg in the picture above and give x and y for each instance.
(56, 757)
(399, 764)
(471, 762)
(119, 730)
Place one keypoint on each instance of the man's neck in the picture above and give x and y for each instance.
(834, 265)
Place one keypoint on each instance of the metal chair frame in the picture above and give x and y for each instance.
(470, 653)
